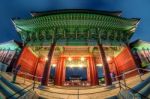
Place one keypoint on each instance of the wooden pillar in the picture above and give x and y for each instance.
(108, 80)
(63, 72)
(60, 72)
(88, 71)
(47, 65)
(59, 75)
(57, 72)
(93, 72)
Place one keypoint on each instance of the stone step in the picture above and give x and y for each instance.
(12, 86)
(6, 91)
(113, 97)
(2, 96)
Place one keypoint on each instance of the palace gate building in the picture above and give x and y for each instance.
(76, 37)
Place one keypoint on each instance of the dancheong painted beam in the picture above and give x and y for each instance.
(76, 27)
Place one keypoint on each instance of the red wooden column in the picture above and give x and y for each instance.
(108, 80)
(47, 65)
(93, 72)
(96, 81)
(57, 72)
(63, 72)
(60, 72)
(88, 71)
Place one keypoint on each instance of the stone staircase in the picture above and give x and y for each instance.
(10, 90)
(54, 92)
(140, 91)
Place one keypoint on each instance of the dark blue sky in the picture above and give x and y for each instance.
(22, 8)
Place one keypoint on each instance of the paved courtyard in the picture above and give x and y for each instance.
(95, 92)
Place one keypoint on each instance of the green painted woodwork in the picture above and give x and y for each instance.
(140, 45)
(10, 45)
(76, 26)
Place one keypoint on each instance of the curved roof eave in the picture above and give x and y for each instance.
(11, 42)
(139, 41)
(63, 11)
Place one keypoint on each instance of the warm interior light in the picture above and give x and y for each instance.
(70, 59)
(71, 66)
(46, 58)
(108, 58)
(82, 58)
(80, 65)
(53, 65)
(99, 65)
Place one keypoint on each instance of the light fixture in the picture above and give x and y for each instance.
(99, 65)
(82, 58)
(71, 66)
(70, 59)
(53, 65)
(108, 58)
(80, 65)
(46, 58)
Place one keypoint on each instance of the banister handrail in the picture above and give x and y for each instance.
(121, 75)
(145, 69)
(130, 71)
(125, 85)
(20, 91)
(125, 73)
(32, 84)
(26, 73)
(113, 77)
(145, 97)
(30, 74)
(25, 92)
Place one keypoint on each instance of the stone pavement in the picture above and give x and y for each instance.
(96, 92)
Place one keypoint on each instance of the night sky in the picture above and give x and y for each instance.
(22, 8)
